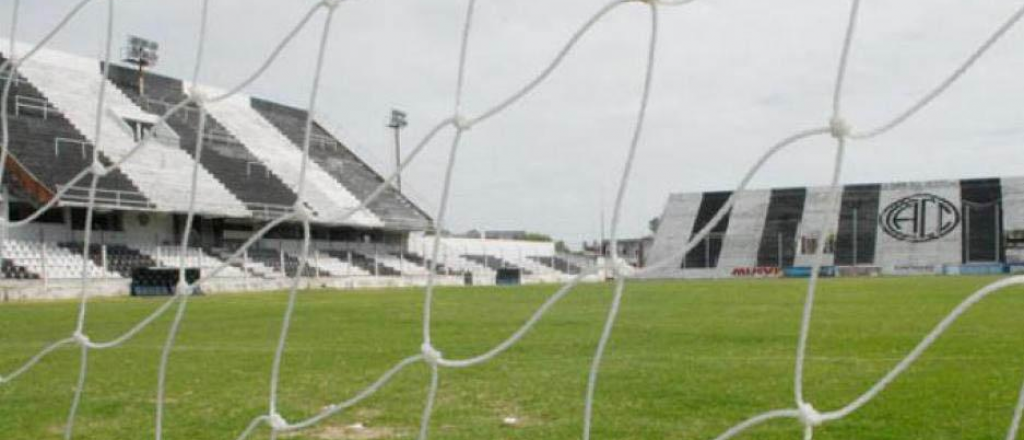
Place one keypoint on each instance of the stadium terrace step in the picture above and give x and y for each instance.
(343, 165)
(328, 198)
(71, 84)
(706, 254)
(336, 266)
(746, 225)
(365, 262)
(777, 247)
(252, 268)
(282, 262)
(171, 256)
(223, 155)
(54, 262)
(557, 263)
(53, 150)
(494, 263)
(119, 258)
(416, 259)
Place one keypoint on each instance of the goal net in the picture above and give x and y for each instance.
(319, 15)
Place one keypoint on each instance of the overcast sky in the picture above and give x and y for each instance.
(732, 77)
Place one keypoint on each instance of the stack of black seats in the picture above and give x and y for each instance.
(11, 271)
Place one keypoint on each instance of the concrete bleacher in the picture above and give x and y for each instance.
(778, 239)
(537, 261)
(328, 198)
(856, 235)
(402, 263)
(558, 264)
(746, 224)
(495, 263)
(283, 263)
(223, 155)
(344, 166)
(53, 150)
(41, 259)
(72, 84)
(816, 212)
(337, 264)
(172, 256)
(11, 271)
(674, 231)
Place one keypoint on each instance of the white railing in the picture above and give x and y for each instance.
(67, 142)
(110, 198)
(267, 211)
(41, 106)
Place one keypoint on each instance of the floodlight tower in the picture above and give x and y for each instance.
(142, 53)
(397, 123)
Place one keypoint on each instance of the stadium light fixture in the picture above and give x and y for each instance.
(141, 53)
(397, 123)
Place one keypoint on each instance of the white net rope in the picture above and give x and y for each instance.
(837, 128)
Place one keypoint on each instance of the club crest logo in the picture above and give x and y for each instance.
(919, 218)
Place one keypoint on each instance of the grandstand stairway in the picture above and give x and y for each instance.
(855, 238)
(273, 258)
(982, 220)
(251, 267)
(335, 266)
(494, 263)
(778, 240)
(171, 256)
(557, 263)
(72, 83)
(120, 258)
(53, 150)
(440, 269)
(327, 197)
(706, 254)
(223, 155)
(366, 263)
(341, 164)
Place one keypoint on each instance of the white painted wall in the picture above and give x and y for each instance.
(673, 233)
(816, 209)
(897, 256)
(746, 224)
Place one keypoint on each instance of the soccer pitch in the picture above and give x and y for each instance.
(687, 361)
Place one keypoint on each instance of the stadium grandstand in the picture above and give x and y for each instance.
(249, 167)
(973, 226)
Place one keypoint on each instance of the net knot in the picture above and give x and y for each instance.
(461, 123)
(98, 169)
(838, 127)
(198, 95)
(330, 4)
(81, 338)
(303, 212)
(277, 422)
(810, 416)
(430, 354)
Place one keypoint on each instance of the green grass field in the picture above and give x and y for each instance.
(687, 361)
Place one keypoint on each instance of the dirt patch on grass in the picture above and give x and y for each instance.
(354, 432)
